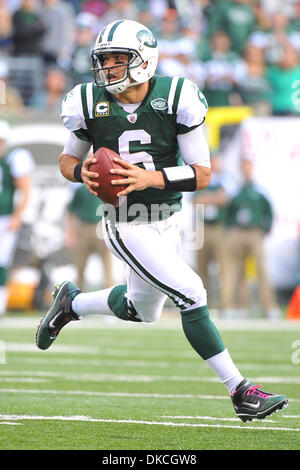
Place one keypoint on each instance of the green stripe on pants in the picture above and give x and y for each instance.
(123, 251)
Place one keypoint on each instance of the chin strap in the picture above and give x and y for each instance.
(116, 89)
(119, 88)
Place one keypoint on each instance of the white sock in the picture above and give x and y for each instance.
(92, 303)
(3, 300)
(225, 369)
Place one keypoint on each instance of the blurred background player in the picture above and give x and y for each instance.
(249, 219)
(223, 70)
(50, 97)
(13, 99)
(215, 250)
(16, 168)
(84, 37)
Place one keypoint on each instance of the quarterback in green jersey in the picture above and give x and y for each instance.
(154, 124)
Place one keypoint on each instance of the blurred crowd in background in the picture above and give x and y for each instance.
(239, 53)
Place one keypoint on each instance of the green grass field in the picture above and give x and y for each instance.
(112, 385)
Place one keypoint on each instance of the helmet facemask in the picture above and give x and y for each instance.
(102, 73)
(125, 37)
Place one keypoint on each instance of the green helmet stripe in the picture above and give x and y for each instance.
(114, 27)
(102, 34)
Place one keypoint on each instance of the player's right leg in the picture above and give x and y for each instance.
(250, 402)
(136, 301)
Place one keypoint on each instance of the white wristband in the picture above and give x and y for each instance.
(180, 178)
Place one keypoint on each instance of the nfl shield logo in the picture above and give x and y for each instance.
(132, 117)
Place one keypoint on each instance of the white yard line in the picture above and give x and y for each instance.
(114, 394)
(121, 394)
(103, 362)
(141, 377)
(292, 416)
(118, 352)
(208, 418)
(23, 380)
(151, 423)
(10, 424)
(31, 347)
(117, 362)
(98, 351)
(276, 367)
(170, 320)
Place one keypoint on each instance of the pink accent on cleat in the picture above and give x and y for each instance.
(254, 390)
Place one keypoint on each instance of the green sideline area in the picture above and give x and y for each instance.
(107, 384)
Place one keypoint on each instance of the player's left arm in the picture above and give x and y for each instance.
(194, 150)
(189, 177)
(191, 112)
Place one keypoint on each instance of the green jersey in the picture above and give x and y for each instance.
(237, 19)
(7, 188)
(14, 165)
(214, 214)
(250, 209)
(145, 135)
(284, 89)
(84, 205)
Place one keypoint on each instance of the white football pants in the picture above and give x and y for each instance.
(155, 269)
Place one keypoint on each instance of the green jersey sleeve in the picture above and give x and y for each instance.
(192, 107)
(72, 114)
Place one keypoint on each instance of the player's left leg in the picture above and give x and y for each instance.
(161, 266)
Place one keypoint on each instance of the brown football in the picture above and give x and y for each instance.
(105, 162)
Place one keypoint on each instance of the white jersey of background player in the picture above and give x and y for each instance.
(152, 122)
(16, 169)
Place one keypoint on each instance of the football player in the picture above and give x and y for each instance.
(16, 168)
(151, 122)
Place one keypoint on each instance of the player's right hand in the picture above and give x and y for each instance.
(88, 177)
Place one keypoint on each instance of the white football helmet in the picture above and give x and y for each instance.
(125, 37)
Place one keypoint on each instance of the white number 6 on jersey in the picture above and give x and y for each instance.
(137, 157)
